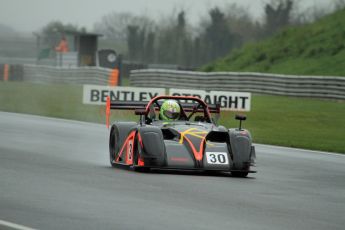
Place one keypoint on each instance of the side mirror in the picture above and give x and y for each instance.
(240, 118)
(142, 113)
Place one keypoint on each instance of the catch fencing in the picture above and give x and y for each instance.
(275, 84)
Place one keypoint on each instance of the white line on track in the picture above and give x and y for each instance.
(301, 150)
(13, 226)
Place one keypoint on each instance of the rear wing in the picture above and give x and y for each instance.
(128, 105)
(123, 105)
(143, 107)
(136, 105)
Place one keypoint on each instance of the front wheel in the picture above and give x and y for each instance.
(112, 146)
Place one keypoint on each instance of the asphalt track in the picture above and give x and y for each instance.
(54, 174)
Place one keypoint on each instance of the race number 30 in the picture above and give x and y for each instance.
(129, 151)
(217, 158)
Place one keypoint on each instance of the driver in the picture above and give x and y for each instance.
(170, 110)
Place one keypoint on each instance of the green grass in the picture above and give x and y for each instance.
(315, 49)
(294, 122)
(61, 101)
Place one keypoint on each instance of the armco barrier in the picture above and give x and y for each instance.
(11, 72)
(62, 75)
(300, 86)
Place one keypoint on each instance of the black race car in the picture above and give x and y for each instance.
(193, 142)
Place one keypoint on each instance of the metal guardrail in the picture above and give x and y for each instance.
(66, 75)
(17, 60)
(275, 84)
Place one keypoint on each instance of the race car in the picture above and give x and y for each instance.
(179, 133)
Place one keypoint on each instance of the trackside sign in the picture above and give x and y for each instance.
(234, 101)
(97, 95)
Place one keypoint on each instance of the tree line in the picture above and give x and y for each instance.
(173, 40)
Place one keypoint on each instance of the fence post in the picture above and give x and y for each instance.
(114, 78)
(6, 72)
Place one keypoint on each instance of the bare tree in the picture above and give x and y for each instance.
(242, 24)
(217, 37)
(174, 40)
(277, 15)
(339, 4)
(309, 15)
(115, 25)
(52, 32)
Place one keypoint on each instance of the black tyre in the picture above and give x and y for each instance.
(113, 146)
(239, 174)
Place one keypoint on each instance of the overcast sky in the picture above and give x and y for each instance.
(31, 15)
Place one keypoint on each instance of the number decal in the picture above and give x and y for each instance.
(213, 158)
(130, 151)
(219, 158)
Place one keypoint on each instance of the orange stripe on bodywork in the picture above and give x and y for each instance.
(140, 160)
(125, 145)
(193, 132)
(197, 154)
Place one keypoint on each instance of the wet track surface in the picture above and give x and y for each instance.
(55, 174)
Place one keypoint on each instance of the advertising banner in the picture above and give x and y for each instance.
(233, 101)
(97, 95)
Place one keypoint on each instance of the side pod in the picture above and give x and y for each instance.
(154, 153)
(241, 145)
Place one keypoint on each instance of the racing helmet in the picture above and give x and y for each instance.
(170, 110)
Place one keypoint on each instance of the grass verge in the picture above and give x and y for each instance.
(277, 120)
(311, 49)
